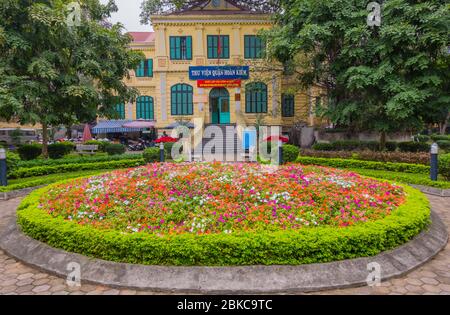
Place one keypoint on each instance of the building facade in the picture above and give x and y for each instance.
(218, 38)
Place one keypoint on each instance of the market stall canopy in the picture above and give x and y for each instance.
(178, 124)
(166, 139)
(87, 133)
(113, 126)
(277, 138)
(140, 123)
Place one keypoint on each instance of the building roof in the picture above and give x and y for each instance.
(143, 37)
(205, 8)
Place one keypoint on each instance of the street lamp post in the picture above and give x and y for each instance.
(434, 161)
(3, 168)
(161, 152)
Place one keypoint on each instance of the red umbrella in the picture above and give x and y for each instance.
(166, 139)
(87, 133)
(277, 138)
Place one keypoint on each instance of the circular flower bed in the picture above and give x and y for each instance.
(214, 213)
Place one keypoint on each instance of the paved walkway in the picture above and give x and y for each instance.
(432, 278)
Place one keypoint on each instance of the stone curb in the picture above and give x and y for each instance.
(225, 280)
(18, 193)
(433, 191)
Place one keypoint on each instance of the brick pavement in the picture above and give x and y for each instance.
(432, 278)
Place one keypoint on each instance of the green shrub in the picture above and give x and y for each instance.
(440, 137)
(386, 166)
(115, 148)
(444, 165)
(383, 156)
(29, 151)
(290, 153)
(351, 145)
(58, 150)
(283, 247)
(422, 138)
(322, 146)
(101, 144)
(79, 159)
(151, 155)
(168, 150)
(64, 168)
(12, 161)
(444, 144)
(411, 146)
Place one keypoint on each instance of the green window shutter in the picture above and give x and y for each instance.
(246, 46)
(189, 47)
(150, 67)
(172, 47)
(226, 47)
(140, 69)
(210, 46)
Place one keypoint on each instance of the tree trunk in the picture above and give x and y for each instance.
(69, 132)
(382, 140)
(45, 140)
(445, 124)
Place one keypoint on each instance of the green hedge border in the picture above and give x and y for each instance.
(373, 165)
(64, 168)
(294, 247)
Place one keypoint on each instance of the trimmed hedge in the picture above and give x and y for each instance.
(352, 145)
(443, 144)
(284, 247)
(30, 151)
(12, 161)
(58, 150)
(350, 163)
(64, 168)
(411, 146)
(395, 157)
(115, 149)
(444, 166)
(290, 153)
(78, 160)
(440, 137)
(151, 155)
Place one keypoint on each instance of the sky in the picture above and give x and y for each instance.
(128, 15)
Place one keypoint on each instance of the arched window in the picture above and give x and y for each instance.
(145, 108)
(120, 109)
(256, 97)
(182, 99)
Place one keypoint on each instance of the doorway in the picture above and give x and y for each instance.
(219, 106)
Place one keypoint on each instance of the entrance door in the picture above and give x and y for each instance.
(219, 104)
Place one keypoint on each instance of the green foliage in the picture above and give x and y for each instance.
(58, 150)
(411, 146)
(289, 247)
(64, 168)
(444, 144)
(440, 137)
(290, 153)
(407, 178)
(101, 144)
(53, 74)
(386, 166)
(444, 166)
(387, 78)
(422, 138)
(351, 145)
(22, 183)
(12, 161)
(366, 155)
(115, 149)
(29, 151)
(78, 160)
(151, 155)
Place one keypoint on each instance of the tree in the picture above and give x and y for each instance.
(376, 78)
(53, 74)
(151, 7)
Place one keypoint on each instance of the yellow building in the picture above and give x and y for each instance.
(207, 62)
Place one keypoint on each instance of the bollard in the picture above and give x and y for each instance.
(3, 168)
(280, 152)
(434, 161)
(161, 152)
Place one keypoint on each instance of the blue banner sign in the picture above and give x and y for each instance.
(219, 73)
